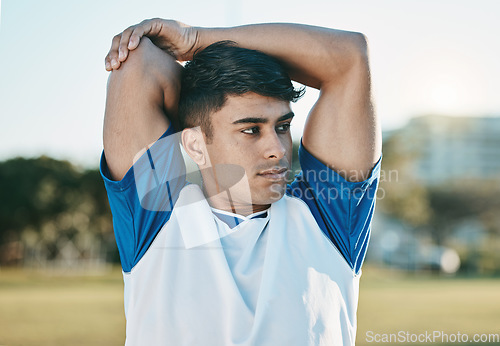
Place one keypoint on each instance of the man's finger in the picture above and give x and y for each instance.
(135, 37)
(123, 46)
(111, 60)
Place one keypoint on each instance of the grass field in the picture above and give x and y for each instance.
(391, 303)
(43, 309)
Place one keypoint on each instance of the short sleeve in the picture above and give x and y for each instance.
(342, 209)
(142, 202)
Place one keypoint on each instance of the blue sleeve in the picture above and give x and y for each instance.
(342, 209)
(142, 202)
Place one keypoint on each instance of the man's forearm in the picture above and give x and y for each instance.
(336, 62)
(313, 55)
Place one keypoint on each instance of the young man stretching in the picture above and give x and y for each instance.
(246, 259)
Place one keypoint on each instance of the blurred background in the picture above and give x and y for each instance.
(434, 257)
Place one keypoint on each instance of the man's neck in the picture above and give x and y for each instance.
(239, 209)
(226, 203)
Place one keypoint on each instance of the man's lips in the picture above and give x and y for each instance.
(278, 173)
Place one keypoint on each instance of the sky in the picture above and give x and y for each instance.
(426, 56)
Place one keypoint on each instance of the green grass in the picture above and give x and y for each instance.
(392, 302)
(38, 309)
(43, 309)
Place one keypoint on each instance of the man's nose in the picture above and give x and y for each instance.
(275, 148)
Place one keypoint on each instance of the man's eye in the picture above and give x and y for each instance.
(283, 127)
(251, 131)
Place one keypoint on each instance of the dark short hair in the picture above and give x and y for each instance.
(224, 69)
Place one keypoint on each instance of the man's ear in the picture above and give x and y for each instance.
(194, 145)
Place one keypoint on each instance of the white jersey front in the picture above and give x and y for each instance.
(269, 281)
(286, 277)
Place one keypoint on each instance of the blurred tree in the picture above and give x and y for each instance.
(400, 194)
(45, 202)
(459, 201)
(437, 210)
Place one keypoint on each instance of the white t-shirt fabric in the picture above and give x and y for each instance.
(287, 276)
(268, 281)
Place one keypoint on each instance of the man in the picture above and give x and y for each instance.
(245, 259)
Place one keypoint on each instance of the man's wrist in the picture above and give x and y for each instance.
(200, 34)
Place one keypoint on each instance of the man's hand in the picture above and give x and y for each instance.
(176, 38)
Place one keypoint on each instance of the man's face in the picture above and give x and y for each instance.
(251, 132)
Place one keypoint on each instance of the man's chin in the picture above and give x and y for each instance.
(274, 194)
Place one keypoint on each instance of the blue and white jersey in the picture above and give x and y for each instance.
(199, 276)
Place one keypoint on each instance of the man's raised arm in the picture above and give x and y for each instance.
(341, 130)
(141, 97)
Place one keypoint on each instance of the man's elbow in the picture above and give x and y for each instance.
(350, 55)
(359, 47)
